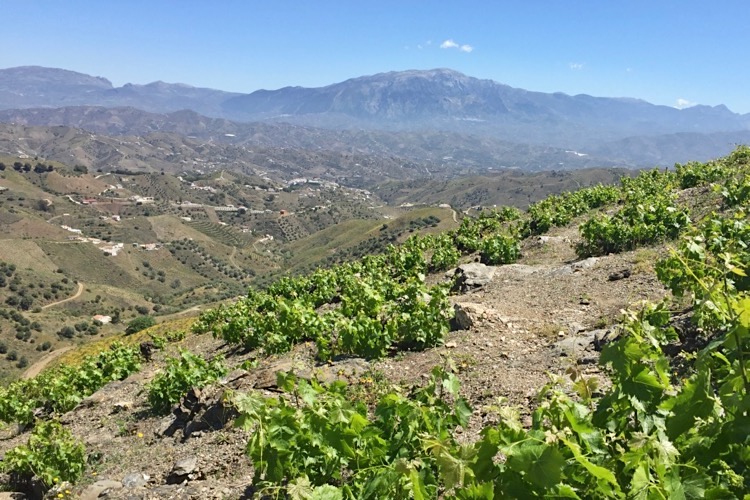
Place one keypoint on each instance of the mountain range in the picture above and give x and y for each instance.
(396, 107)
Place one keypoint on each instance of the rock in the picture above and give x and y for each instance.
(603, 337)
(100, 489)
(236, 379)
(167, 426)
(451, 345)
(166, 491)
(588, 360)
(265, 378)
(135, 480)
(576, 328)
(467, 314)
(95, 399)
(619, 275)
(585, 264)
(204, 410)
(462, 319)
(342, 369)
(575, 346)
(544, 240)
(185, 466)
(184, 470)
(121, 406)
(576, 267)
(472, 275)
(209, 409)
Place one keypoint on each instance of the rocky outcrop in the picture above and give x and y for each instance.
(472, 275)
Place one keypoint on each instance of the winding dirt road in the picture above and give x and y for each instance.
(40, 365)
(72, 297)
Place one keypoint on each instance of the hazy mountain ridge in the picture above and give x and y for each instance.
(448, 100)
(173, 153)
(433, 113)
(35, 86)
(439, 151)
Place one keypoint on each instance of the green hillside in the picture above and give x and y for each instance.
(386, 378)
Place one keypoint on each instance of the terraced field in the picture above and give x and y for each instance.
(224, 234)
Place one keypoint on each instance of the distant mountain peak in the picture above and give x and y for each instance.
(41, 74)
(436, 74)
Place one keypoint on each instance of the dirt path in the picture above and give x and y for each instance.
(78, 294)
(179, 314)
(40, 365)
(231, 258)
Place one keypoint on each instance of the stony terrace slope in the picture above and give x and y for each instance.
(549, 298)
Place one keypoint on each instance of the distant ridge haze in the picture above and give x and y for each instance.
(424, 101)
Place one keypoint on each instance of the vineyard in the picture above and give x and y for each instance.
(670, 421)
(223, 234)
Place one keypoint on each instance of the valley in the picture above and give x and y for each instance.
(98, 243)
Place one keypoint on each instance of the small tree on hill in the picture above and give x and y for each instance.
(140, 323)
(67, 331)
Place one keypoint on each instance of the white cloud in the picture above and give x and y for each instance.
(684, 103)
(451, 44)
(576, 66)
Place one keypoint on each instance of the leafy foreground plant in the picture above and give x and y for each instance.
(315, 435)
(180, 375)
(59, 390)
(51, 454)
(650, 436)
(650, 214)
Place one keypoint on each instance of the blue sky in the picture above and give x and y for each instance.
(663, 51)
